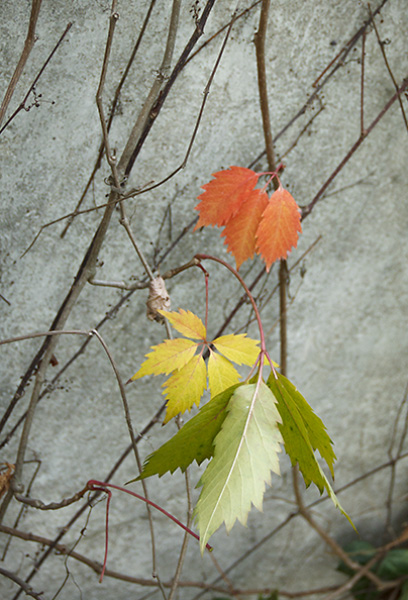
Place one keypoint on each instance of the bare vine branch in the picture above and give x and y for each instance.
(27, 589)
(28, 46)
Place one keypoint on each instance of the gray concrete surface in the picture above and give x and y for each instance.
(347, 323)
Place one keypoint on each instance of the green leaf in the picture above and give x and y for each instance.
(303, 432)
(194, 441)
(316, 430)
(360, 552)
(245, 454)
(404, 591)
(394, 565)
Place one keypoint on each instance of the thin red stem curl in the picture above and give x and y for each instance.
(101, 486)
(244, 285)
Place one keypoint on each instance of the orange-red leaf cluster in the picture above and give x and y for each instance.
(253, 222)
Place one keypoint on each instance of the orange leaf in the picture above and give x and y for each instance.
(278, 230)
(241, 229)
(224, 195)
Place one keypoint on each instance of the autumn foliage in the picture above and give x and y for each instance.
(182, 359)
(253, 222)
(242, 428)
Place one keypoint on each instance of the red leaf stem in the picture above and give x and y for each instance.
(101, 486)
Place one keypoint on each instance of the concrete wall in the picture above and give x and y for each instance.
(347, 321)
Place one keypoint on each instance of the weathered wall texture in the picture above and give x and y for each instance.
(348, 306)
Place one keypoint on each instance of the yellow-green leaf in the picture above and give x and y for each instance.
(186, 323)
(303, 432)
(185, 387)
(221, 374)
(238, 348)
(246, 451)
(318, 436)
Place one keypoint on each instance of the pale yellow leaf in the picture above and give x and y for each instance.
(246, 451)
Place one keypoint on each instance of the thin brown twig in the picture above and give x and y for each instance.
(28, 46)
(296, 513)
(146, 111)
(112, 163)
(260, 37)
(40, 505)
(72, 549)
(22, 105)
(124, 221)
(206, 92)
(392, 457)
(183, 551)
(362, 130)
(27, 589)
(99, 94)
(387, 64)
(336, 63)
(223, 28)
(46, 351)
(97, 568)
(156, 108)
(139, 285)
(66, 502)
(270, 153)
(92, 332)
(112, 114)
(283, 316)
(225, 577)
(348, 46)
(153, 421)
(22, 508)
(337, 549)
(306, 210)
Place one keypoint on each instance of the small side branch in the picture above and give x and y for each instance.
(27, 589)
(306, 210)
(28, 46)
(263, 91)
(387, 64)
(52, 505)
(22, 105)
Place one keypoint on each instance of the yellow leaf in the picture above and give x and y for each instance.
(167, 357)
(238, 348)
(185, 387)
(186, 323)
(221, 374)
